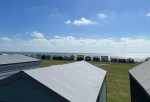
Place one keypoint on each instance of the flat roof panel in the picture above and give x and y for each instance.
(77, 82)
(11, 59)
(142, 74)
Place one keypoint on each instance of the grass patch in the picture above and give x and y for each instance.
(46, 63)
(118, 89)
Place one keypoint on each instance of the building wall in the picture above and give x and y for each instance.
(96, 59)
(113, 60)
(102, 97)
(88, 58)
(19, 66)
(138, 94)
(22, 91)
(122, 60)
(80, 58)
(104, 59)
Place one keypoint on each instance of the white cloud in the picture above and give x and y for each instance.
(72, 41)
(101, 15)
(68, 22)
(5, 39)
(37, 34)
(83, 21)
(38, 40)
(74, 44)
(148, 14)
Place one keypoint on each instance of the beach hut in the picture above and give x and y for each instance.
(47, 57)
(72, 58)
(104, 58)
(74, 82)
(65, 58)
(130, 60)
(96, 58)
(122, 60)
(10, 64)
(43, 56)
(88, 58)
(113, 59)
(80, 57)
(57, 57)
(140, 82)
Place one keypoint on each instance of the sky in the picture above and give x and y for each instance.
(79, 26)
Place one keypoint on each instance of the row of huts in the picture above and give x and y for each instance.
(86, 58)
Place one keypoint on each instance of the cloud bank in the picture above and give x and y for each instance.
(73, 44)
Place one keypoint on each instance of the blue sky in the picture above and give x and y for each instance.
(93, 26)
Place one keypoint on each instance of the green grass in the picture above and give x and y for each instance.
(46, 63)
(118, 89)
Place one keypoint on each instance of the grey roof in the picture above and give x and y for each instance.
(104, 56)
(96, 56)
(11, 59)
(113, 57)
(142, 74)
(77, 82)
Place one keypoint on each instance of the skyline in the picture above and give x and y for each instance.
(81, 26)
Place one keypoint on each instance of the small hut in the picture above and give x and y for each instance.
(43, 56)
(113, 59)
(122, 60)
(47, 57)
(80, 57)
(57, 58)
(72, 58)
(88, 58)
(65, 58)
(96, 58)
(104, 58)
(130, 60)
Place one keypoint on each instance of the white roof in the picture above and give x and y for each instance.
(15, 58)
(77, 82)
(142, 74)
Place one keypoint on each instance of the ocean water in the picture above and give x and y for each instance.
(136, 57)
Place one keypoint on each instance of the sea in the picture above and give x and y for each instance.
(136, 57)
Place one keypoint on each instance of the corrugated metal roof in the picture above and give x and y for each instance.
(10, 59)
(77, 82)
(142, 74)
